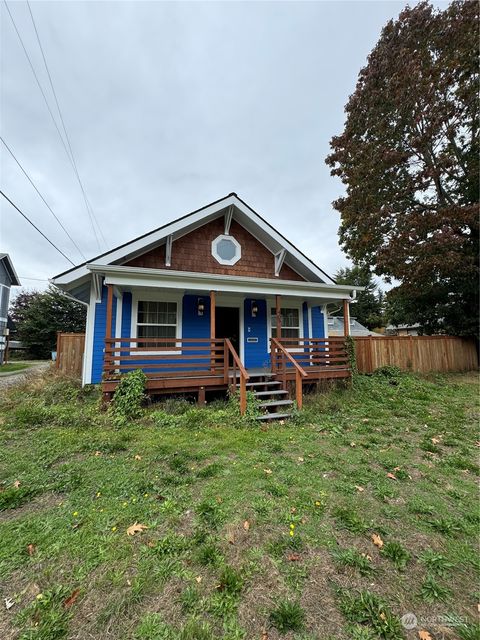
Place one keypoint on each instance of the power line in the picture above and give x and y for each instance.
(87, 203)
(35, 227)
(46, 203)
(54, 122)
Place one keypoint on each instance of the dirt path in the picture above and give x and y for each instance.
(19, 378)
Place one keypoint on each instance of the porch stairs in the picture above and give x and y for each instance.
(273, 398)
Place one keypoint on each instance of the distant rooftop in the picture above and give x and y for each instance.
(335, 327)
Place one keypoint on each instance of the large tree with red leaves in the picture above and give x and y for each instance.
(409, 157)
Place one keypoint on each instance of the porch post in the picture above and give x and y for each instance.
(108, 356)
(346, 318)
(212, 331)
(278, 317)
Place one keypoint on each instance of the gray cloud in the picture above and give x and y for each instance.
(172, 105)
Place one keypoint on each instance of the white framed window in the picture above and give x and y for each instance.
(226, 250)
(156, 319)
(156, 316)
(290, 322)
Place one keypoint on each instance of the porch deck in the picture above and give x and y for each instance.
(195, 365)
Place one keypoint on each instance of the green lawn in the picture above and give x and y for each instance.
(13, 366)
(251, 532)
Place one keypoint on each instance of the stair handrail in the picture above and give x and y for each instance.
(237, 363)
(299, 371)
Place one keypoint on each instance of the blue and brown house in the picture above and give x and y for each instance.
(216, 299)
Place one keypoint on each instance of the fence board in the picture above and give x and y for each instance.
(70, 347)
(423, 354)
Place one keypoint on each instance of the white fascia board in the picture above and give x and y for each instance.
(143, 277)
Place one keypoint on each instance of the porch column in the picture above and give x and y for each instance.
(212, 332)
(107, 356)
(278, 316)
(212, 315)
(346, 318)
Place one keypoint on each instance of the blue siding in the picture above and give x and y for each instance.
(256, 353)
(318, 327)
(99, 334)
(193, 325)
(126, 327)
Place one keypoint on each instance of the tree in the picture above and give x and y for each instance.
(409, 157)
(368, 307)
(39, 315)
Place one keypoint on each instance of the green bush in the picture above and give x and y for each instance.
(128, 398)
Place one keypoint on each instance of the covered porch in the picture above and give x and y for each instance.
(247, 333)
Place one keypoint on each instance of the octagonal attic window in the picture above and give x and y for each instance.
(226, 250)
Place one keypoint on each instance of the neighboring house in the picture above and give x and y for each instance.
(403, 329)
(198, 304)
(336, 327)
(8, 279)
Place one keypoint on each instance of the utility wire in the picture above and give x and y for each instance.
(35, 227)
(46, 203)
(74, 163)
(53, 118)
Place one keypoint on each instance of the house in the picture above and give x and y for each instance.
(8, 279)
(403, 329)
(336, 327)
(214, 299)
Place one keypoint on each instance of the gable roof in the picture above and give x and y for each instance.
(8, 264)
(242, 213)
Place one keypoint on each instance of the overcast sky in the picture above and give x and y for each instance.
(170, 106)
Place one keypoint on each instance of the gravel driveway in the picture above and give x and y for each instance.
(18, 378)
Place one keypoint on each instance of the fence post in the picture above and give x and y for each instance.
(59, 343)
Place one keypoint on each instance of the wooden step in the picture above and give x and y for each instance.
(279, 392)
(264, 384)
(252, 376)
(275, 403)
(274, 416)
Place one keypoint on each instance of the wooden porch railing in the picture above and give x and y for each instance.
(318, 353)
(280, 357)
(231, 374)
(164, 357)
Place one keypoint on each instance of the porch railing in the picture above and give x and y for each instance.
(281, 358)
(231, 374)
(164, 357)
(313, 354)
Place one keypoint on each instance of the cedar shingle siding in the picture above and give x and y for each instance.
(193, 252)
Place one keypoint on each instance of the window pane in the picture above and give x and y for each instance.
(154, 312)
(226, 249)
(290, 333)
(152, 331)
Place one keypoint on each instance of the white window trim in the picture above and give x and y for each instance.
(285, 305)
(221, 260)
(156, 296)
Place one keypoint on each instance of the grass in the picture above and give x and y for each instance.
(10, 367)
(251, 531)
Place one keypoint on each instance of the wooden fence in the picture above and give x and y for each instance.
(70, 347)
(416, 353)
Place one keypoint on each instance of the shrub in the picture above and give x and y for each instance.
(128, 398)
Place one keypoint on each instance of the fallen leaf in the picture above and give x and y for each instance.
(129, 583)
(397, 468)
(300, 459)
(9, 603)
(198, 579)
(136, 528)
(98, 453)
(377, 541)
(16, 484)
(293, 557)
(231, 538)
(353, 444)
(151, 544)
(359, 488)
(391, 476)
(477, 444)
(219, 499)
(365, 420)
(264, 635)
(293, 510)
(71, 599)
(383, 616)
(31, 548)
(268, 471)
(435, 440)
(366, 556)
(137, 457)
(246, 525)
(424, 635)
